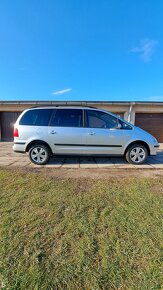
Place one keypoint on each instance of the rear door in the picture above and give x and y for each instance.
(66, 133)
(102, 133)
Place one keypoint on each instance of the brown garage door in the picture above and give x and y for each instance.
(7, 123)
(153, 123)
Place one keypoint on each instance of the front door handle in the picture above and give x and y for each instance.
(91, 133)
(53, 132)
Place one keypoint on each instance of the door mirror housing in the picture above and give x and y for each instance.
(119, 126)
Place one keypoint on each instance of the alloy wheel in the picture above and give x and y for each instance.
(38, 154)
(137, 154)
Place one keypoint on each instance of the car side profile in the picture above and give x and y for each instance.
(45, 131)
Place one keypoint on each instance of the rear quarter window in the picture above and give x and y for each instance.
(39, 117)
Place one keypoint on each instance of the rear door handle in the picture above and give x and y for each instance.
(53, 132)
(91, 133)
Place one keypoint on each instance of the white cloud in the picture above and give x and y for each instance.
(62, 91)
(146, 49)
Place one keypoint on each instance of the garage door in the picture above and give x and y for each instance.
(153, 123)
(7, 123)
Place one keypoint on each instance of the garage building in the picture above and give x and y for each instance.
(147, 115)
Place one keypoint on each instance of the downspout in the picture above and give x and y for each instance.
(130, 112)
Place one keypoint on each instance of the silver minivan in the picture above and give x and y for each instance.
(44, 131)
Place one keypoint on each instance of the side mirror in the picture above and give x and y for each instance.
(119, 126)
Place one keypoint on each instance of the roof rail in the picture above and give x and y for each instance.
(62, 105)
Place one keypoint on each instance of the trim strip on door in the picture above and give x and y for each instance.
(89, 145)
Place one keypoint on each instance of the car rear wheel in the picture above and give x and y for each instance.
(136, 154)
(39, 154)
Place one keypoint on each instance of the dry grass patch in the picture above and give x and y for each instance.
(79, 234)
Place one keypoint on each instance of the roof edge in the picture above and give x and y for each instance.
(81, 102)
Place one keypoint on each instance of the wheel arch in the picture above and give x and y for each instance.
(138, 142)
(35, 142)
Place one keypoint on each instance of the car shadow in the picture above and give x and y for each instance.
(60, 160)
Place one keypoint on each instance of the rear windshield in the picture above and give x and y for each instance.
(38, 117)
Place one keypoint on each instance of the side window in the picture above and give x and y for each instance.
(38, 117)
(99, 119)
(67, 118)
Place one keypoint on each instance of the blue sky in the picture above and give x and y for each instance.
(107, 50)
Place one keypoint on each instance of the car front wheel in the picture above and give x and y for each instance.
(136, 154)
(39, 154)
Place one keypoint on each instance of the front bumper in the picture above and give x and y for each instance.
(154, 148)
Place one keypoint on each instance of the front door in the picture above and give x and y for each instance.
(102, 133)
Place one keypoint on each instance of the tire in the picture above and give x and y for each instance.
(136, 154)
(39, 154)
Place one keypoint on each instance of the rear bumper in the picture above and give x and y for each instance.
(19, 147)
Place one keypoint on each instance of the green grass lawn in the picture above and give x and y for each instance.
(79, 234)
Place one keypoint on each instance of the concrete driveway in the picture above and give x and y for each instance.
(12, 159)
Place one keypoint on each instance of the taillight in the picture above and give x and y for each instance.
(16, 133)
